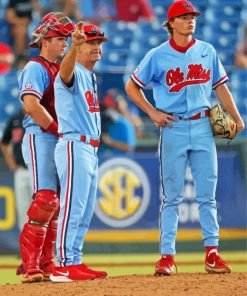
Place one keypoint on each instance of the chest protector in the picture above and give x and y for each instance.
(48, 98)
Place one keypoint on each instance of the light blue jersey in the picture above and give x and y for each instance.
(33, 80)
(38, 146)
(77, 109)
(182, 81)
(79, 103)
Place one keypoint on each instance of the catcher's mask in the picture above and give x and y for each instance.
(53, 24)
(94, 32)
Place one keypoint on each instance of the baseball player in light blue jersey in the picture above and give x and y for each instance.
(78, 112)
(183, 71)
(37, 238)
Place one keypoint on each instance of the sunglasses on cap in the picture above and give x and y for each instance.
(95, 33)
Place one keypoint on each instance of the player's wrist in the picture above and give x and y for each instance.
(75, 48)
(53, 128)
(150, 112)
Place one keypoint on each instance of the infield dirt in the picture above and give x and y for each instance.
(192, 284)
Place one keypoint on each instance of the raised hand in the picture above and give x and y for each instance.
(78, 37)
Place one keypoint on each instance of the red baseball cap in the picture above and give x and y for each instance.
(94, 32)
(179, 8)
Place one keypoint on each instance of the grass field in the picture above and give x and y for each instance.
(132, 264)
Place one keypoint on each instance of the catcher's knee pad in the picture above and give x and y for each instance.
(31, 243)
(43, 207)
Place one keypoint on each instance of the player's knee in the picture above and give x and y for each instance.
(43, 207)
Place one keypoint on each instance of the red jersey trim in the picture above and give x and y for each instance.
(137, 81)
(222, 80)
(181, 48)
(31, 92)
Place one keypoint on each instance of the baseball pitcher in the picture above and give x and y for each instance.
(183, 72)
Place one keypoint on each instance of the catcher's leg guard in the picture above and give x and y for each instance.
(33, 235)
(47, 256)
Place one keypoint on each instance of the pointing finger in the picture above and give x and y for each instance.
(80, 26)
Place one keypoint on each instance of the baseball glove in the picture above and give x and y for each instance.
(222, 123)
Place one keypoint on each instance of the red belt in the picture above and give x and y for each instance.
(92, 142)
(197, 115)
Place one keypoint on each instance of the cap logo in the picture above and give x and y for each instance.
(187, 5)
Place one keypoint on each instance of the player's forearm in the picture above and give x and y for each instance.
(39, 114)
(138, 97)
(11, 16)
(116, 144)
(8, 156)
(45, 121)
(42, 117)
(121, 146)
(68, 64)
(241, 61)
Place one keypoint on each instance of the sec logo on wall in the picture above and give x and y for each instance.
(123, 192)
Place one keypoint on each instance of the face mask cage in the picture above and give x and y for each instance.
(53, 21)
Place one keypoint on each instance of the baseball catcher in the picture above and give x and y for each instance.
(38, 236)
(222, 123)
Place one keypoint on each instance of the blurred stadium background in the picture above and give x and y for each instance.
(127, 220)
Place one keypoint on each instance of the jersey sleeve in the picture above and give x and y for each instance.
(219, 73)
(72, 87)
(34, 80)
(144, 73)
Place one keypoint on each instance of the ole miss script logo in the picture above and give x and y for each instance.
(177, 79)
(92, 101)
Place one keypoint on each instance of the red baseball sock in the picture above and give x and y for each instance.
(208, 249)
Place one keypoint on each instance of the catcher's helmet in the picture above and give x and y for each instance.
(53, 24)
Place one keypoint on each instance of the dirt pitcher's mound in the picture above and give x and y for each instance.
(192, 284)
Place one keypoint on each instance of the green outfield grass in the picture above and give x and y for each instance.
(142, 263)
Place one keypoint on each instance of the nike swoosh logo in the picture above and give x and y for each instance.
(204, 55)
(63, 273)
(211, 265)
(213, 251)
